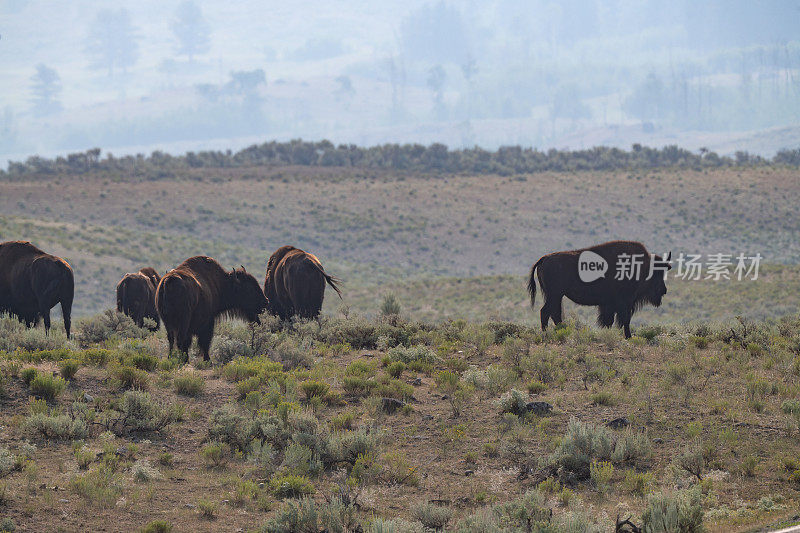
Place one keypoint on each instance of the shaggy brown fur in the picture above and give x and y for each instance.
(136, 296)
(558, 277)
(32, 282)
(295, 283)
(193, 296)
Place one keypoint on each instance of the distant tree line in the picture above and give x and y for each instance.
(436, 158)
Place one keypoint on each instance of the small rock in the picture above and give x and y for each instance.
(445, 397)
(122, 450)
(658, 440)
(191, 431)
(539, 408)
(63, 500)
(417, 382)
(427, 417)
(190, 506)
(367, 354)
(390, 405)
(261, 485)
(469, 472)
(88, 397)
(225, 501)
(618, 423)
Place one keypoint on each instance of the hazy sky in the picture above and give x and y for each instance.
(545, 73)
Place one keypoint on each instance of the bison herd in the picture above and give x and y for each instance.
(190, 298)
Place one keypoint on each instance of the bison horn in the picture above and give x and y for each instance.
(669, 257)
(243, 268)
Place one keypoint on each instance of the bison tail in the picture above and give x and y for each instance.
(334, 283)
(532, 281)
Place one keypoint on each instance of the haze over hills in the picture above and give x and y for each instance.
(575, 74)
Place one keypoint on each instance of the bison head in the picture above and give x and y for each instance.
(248, 295)
(655, 288)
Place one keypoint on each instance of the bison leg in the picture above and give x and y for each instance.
(184, 343)
(170, 339)
(204, 337)
(605, 317)
(624, 320)
(46, 316)
(545, 314)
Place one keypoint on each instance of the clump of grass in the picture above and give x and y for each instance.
(291, 486)
(396, 369)
(27, 374)
(69, 367)
(514, 402)
(432, 516)
(144, 472)
(45, 385)
(157, 526)
(601, 473)
(189, 383)
(215, 454)
(314, 389)
(101, 487)
(207, 509)
(54, 427)
(129, 377)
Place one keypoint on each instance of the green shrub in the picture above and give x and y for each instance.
(358, 386)
(45, 385)
(206, 508)
(390, 305)
(140, 412)
(314, 389)
(96, 356)
(128, 377)
(432, 516)
(291, 486)
(396, 369)
(305, 515)
(28, 374)
(69, 367)
(143, 361)
(513, 401)
(603, 398)
(100, 328)
(189, 383)
(582, 444)
(100, 487)
(601, 473)
(536, 387)
(681, 511)
(229, 426)
(413, 354)
(157, 526)
(215, 454)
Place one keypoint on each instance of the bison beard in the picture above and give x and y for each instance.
(558, 277)
(193, 296)
(295, 283)
(32, 282)
(136, 296)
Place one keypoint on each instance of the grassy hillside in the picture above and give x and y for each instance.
(390, 425)
(450, 246)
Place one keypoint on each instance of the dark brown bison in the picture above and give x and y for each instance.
(295, 283)
(32, 282)
(619, 290)
(136, 296)
(193, 296)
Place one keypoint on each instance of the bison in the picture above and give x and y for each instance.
(32, 282)
(136, 296)
(295, 283)
(191, 297)
(607, 277)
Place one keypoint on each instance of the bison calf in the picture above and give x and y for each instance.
(32, 282)
(615, 276)
(295, 283)
(136, 296)
(192, 296)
